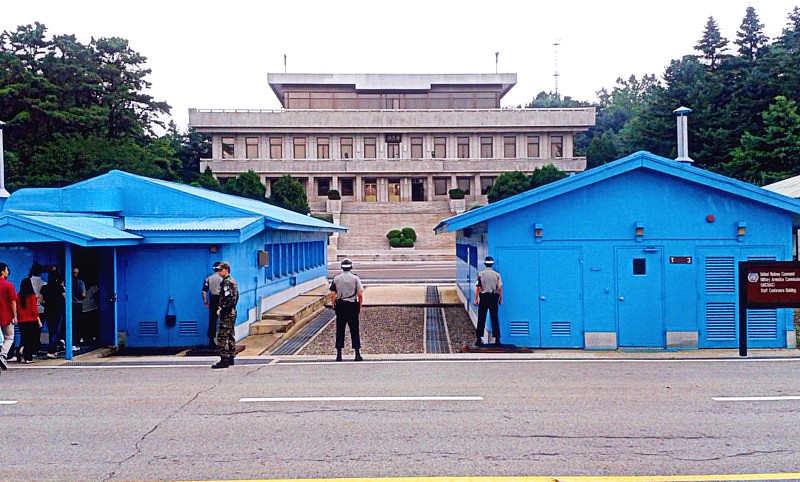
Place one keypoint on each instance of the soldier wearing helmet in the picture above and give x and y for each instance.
(347, 296)
(488, 295)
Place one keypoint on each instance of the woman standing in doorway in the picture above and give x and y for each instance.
(30, 325)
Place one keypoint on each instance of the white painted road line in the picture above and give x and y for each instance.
(365, 399)
(756, 399)
(8, 402)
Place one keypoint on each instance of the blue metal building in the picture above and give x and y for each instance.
(641, 252)
(146, 241)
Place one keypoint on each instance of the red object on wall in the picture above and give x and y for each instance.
(710, 218)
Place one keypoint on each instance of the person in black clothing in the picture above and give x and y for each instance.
(54, 301)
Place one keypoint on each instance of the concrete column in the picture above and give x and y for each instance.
(429, 186)
(476, 191)
(359, 189)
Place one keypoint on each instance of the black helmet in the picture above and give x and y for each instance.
(488, 261)
(347, 265)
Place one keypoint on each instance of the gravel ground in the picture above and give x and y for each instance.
(392, 329)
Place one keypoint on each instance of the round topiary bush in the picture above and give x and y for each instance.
(409, 233)
(334, 195)
(394, 233)
(456, 193)
(395, 242)
(406, 243)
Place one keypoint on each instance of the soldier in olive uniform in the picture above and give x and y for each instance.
(228, 297)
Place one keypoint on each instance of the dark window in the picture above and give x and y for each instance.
(323, 186)
(275, 148)
(556, 146)
(370, 150)
(440, 186)
(639, 266)
(252, 147)
(347, 147)
(323, 148)
(228, 151)
(486, 184)
(463, 184)
(509, 147)
(346, 186)
(416, 148)
(533, 146)
(486, 147)
(463, 147)
(440, 147)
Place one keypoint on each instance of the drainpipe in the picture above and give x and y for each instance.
(683, 136)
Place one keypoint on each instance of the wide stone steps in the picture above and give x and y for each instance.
(292, 314)
(430, 207)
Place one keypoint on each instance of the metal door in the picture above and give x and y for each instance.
(560, 300)
(519, 313)
(640, 297)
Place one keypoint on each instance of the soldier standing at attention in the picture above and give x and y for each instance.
(210, 294)
(347, 296)
(488, 294)
(228, 297)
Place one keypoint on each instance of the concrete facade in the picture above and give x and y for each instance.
(390, 138)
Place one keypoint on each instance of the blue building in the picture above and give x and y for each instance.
(641, 252)
(145, 242)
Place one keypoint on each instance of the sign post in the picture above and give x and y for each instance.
(766, 284)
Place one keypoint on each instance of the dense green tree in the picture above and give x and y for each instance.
(750, 38)
(545, 175)
(288, 193)
(246, 184)
(712, 45)
(773, 155)
(508, 184)
(207, 180)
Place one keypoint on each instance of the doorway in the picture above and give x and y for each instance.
(418, 189)
(640, 297)
(394, 190)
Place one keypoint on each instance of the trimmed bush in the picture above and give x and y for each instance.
(406, 243)
(456, 193)
(409, 233)
(394, 233)
(395, 242)
(334, 195)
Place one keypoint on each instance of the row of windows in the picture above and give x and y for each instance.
(370, 147)
(432, 100)
(287, 259)
(441, 186)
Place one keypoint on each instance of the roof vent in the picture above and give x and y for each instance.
(683, 137)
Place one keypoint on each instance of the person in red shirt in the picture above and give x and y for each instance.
(8, 314)
(30, 325)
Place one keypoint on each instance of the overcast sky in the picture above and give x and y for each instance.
(216, 54)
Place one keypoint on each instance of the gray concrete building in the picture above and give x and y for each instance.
(391, 144)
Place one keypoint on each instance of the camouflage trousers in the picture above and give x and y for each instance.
(225, 335)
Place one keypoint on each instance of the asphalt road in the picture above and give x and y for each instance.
(400, 271)
(529, 418)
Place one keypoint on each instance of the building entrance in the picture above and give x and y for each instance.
(370, 190)
(418, 189)
(394, 190)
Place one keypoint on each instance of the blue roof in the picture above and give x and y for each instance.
(82, 230)
(206, 223)
(638, 160)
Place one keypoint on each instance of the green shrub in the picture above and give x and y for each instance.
(334, 195)
(395, 242)
(409, 233)
(394, 233)
(456, 193)
(406, 243)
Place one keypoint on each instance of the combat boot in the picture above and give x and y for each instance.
(222, 363)
(231, 362)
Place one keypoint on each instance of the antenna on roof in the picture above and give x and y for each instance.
(555, 75)
(284, 63)
(496, 61)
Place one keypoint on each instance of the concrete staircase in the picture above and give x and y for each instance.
(290, 316)
(368, 224)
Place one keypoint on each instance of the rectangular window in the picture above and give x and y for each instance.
(370, 148)
(393, 151)
(439, 186)
(299, 147)
(556, 146)
(639, 266)
(228, 151)
(509, 147)
(416, 148)
(463, 184)
(486, 147)
(463, 147)
(486, 184)
(323, 148)
(439, 147)
(346, 186)
(275, 148)
(323, 186)
(533, 146)
(347, 147)
(251, 150)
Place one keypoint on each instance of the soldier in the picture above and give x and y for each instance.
(210, 294)
(347, 296)
(228, 297)
(488, 294)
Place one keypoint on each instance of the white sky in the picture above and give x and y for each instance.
(216, 54)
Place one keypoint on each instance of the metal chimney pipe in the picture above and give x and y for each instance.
(683, 135)
(3, 193)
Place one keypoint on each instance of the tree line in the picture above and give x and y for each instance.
(75, 110)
